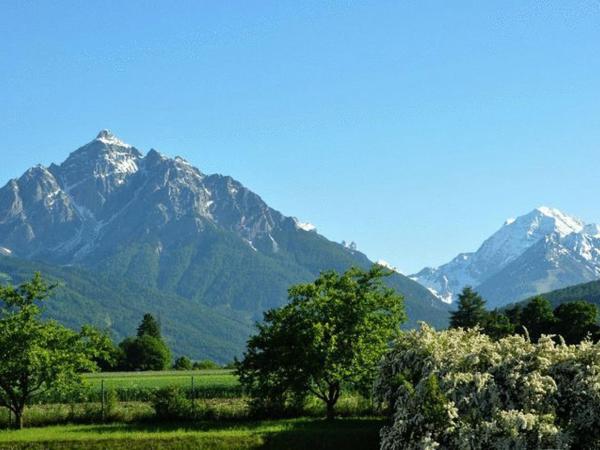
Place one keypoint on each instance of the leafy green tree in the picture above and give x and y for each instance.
(537, 317)
(497, 325)
(149, 326)
(145, 353)
(206, 364)
(576, 320)
(108, 354)
(514, 315)
(36, 355)
(182, 363)
(333, 333)
(471, 310)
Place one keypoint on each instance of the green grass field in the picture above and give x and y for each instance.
(269, 435)
(223, 423)
(221, 378)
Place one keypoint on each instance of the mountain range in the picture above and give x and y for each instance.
(535, 253)
(126, 233)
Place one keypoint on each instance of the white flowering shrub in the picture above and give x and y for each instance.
(458, 389)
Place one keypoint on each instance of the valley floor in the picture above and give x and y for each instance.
(292, 434)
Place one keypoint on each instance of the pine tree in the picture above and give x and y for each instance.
(471, 310)
(149, 326)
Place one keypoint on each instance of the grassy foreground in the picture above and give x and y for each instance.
(269, 435)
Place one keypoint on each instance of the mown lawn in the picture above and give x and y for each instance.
(269, 435)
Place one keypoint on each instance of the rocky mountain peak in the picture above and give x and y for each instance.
(106, 159)
(559, 222)
(558, 233)
(106, 137)
(154, 232)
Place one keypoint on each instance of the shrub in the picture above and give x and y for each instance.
(461, 389)
(111, 403)
(182, 363)
(170, 403)
(205, 364)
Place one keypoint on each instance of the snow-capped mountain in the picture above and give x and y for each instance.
(540, 251)
(160, 222)
(106, 193)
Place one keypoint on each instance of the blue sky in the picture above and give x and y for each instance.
(414, 128)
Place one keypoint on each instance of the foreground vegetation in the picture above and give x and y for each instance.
(462, 389)
(494, 380)
(328, 341)
(275, 435)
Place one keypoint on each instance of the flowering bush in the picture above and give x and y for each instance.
(459, 389)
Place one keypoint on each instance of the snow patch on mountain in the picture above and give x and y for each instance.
(306, 226)
(387, 265)
(106, 137)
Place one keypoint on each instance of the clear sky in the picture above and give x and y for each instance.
(414, 128)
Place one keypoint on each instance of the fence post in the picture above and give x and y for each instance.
(9, 417)
(193, 399)
(103, 400)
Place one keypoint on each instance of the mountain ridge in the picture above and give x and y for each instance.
(111, 210)
(542, 250)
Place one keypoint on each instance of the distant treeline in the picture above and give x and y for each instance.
(145, 351)
(573, 321)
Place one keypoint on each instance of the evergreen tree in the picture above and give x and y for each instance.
(471, 310)
(149, 326)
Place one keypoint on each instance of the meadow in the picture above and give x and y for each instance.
(223, 423)
(137, 386)
(158, 379)
(268, 435)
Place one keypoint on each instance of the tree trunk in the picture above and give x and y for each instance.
(18, 425)
(332, 398)
(330, 410)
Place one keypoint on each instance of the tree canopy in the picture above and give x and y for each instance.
(147, 350)
(37, 355)
(537, 317)
(333, 333)
(149, 326)
(183, 363)
(573, 321)
(577, 320)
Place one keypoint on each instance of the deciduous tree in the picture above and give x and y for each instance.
(36, 355)
(333, 333)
